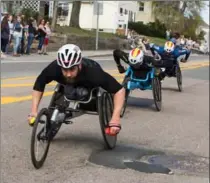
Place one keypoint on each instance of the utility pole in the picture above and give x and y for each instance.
(97, 25)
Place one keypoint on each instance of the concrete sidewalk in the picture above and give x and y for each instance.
(52, 55)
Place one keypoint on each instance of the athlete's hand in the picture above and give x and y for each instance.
(114, 128)
(32, 118)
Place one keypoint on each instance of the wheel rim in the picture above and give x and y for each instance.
(127, 92)
(40, 140)
(108, 110)
(157, 93)
(179, 78)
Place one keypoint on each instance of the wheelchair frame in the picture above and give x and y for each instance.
(61, 105)
(151, 82)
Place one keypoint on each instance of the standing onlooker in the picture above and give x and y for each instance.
(11, 29)
(18, 31)
(4, 34)
(30, 35)
(46, 40)
(168, 34)
(41, 36)
(21, 49)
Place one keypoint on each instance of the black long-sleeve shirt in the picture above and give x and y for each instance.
(90, 76)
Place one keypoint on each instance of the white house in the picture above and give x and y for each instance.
(110, 12)
(144, 12)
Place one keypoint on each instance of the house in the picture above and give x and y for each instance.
(113, 15)
(144, 12)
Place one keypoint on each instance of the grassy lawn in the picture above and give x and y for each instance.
(81, 32)
(156, 40)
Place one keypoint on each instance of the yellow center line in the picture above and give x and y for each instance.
(8, 100)
(183, 65)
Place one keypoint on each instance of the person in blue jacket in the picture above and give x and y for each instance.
(168, 55)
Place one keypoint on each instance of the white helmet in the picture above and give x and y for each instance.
(136, 57)
(68, 56)
(169, 46)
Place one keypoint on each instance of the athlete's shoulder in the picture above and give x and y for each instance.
(90, 63)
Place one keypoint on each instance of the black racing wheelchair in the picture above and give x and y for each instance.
(62, 109)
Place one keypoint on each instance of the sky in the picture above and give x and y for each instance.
(205, 13)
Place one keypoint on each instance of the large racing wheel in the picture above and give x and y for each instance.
(157, 93)
(105, 110)
(179, 78)
(127, 92)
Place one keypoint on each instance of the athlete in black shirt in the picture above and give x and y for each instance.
(73, 70)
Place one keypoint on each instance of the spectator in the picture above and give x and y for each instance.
(41, 36)
(4, 33)
(168, 34)
(21, 49)
(11, 29)
(30, 35)
(46, 40)
(182, 41)
(18, 32)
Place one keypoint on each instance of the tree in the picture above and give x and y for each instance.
(55, 13)
(182, 16)
(75, 13)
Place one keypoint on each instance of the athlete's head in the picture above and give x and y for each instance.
(69, 58)
(169, 46)
(136, 57)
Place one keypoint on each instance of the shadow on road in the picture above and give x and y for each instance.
(82, 139)
(174, 89)
(143, 103)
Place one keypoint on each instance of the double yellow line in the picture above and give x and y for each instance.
(9, 99)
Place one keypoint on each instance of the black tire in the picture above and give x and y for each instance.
(127, 92)
(157, 93)
(179, 78)
(38, 163)
(105, 110)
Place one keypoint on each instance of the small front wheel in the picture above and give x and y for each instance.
(157, 93)
(40, 139)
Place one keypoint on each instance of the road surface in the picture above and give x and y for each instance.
(177, 137)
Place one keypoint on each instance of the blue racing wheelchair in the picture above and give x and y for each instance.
(150, 82)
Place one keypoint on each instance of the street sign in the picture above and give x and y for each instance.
(100, 7)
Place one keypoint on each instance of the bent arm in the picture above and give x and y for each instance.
(36, 98)
(110, 84)
(118, 104)
(39, 86)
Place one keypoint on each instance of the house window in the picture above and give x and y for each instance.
(121, 10)
(63, 9)
(141, 6)
(126, 12)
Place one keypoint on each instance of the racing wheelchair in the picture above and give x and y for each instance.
(62, 109)
(150, 82)
(175, 71)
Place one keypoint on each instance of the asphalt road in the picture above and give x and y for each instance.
(178, 136)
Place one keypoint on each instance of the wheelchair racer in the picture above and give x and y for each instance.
(71, 69)
(168, 55)
(137, 60)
